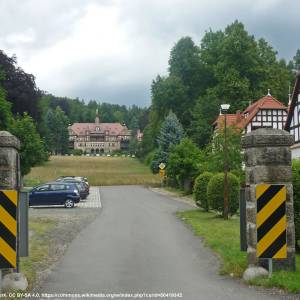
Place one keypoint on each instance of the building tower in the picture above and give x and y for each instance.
(97, 119)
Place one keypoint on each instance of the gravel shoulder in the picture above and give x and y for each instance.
(68, 224)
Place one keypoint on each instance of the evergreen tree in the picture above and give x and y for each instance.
(171, 133)
(57, 137)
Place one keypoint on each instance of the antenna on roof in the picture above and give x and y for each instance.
(220, 113)
(269, 92)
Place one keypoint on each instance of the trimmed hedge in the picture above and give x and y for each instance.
(200, 190)
(215, 192)
(296, 187)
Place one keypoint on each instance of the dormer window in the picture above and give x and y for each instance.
(97, 128)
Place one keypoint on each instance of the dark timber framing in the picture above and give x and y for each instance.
(293, 119)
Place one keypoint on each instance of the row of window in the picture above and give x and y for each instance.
(87, 138)
(270, 118)
(95, 145)
(269, 112)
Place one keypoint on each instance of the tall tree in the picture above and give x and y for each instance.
(32, 147)
(296, 61)
(6, 117)
(57, 137)
(171, 133)
(204, 114)
(20, 87)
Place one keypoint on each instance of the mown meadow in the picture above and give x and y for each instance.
(98, 170)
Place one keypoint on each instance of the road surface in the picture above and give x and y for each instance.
(138, 245)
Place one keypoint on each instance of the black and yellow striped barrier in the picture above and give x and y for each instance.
(271, 221)
(8, 228)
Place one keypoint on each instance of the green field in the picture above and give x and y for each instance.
(98, 170)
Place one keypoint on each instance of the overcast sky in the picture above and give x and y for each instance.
(110, 50)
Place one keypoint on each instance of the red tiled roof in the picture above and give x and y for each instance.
(112, 128)
(231, 120)
(239, 121)
(266, 102)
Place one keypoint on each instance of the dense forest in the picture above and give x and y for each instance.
(227, 66)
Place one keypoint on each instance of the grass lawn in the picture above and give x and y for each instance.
(98, 170)
(223, 237)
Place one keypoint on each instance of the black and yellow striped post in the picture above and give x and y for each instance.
(271, 222)
(8, 229)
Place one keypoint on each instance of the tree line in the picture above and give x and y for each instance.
(227, 66)
(40, 120)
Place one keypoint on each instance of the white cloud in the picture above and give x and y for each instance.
(112, 49)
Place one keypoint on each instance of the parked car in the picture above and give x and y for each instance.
(76, 178)
(54, 193)
(83, 188)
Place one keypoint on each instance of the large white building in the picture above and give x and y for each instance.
(97, 138)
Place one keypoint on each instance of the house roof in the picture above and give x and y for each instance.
(231, 120)
(241, 120)
(296, 91)
(112, 128)
(266, 102)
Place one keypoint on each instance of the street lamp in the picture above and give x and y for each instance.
(225, 108)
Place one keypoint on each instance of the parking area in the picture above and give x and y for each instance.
(93, 200)
(89, 204)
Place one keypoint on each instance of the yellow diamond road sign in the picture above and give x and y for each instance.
(271, 221)
(162, 165)
(8, 228)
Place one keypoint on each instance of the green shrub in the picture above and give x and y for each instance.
(296, 186)
(215, 192)
(149, 157)
(77, 152)
(200, 189)
(184, 160)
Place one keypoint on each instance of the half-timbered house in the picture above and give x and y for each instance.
(293, 119)
(267, 112)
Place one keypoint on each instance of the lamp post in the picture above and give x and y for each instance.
(224, 108)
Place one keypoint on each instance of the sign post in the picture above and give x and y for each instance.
(162, 172)
(271, 222)
(8, 229)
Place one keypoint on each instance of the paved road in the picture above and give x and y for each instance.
(137, 244)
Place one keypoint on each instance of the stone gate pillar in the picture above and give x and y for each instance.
(9, 161)
(268, 161)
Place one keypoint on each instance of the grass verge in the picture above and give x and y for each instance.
(223, 237)
(39, 246)
(98, 170)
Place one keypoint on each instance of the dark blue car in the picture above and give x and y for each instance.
(54, 193)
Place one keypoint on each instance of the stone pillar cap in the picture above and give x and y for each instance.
(267, 137)
(9, 140)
